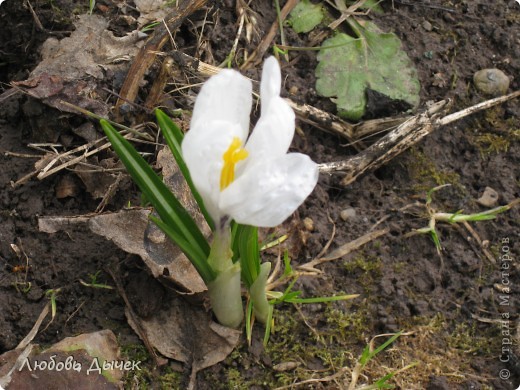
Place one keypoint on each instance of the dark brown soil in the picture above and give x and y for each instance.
(457, 328)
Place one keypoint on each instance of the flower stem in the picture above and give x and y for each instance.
(224, 290)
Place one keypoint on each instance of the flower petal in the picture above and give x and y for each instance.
(203, 148)
(273, 132)
(226, 96)
(267, 193)
(271, 82)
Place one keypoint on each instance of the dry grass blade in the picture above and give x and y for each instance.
(325, 379)
(18, 364)
(344, 249)
(47, 163)
(30, 336)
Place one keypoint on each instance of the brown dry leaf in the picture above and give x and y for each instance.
(151, 10)
(52, 90)
(71, 68)
(89, 50)
(83, 349)
(102, 344)
(185, 332)
(98, 181)
(132, 231)
(55, 224)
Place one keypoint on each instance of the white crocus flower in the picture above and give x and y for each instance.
(253, 181)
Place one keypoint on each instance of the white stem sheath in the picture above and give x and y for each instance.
(224, 291)
(225, 296)
(261, 306)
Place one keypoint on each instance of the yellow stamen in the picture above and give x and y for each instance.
(234, 154)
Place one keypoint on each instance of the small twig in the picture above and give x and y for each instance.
(229, 59)
(280, 25)
(22, 155)
(109, 193)
(92, 115)
(36, 19)
(74, 312)
(476, 108)
(146, 56)
(153, 98)
(259, 52)
(331, 239)
(477, 238)
(407, 134)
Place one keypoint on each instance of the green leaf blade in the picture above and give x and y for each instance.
(247, 244)
(168, 207)
(305, 16)
(204, 270)
(349, 65)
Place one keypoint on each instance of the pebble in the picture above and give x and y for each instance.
(491, 81)
(489, 198)
(308, 224)
(286, 366)
(427, 25)
(347, 214)
(448, 18)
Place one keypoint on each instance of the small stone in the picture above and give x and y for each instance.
(427, 25)
(308, 224)
(489, 198)
(491, 82)
(347, 214)
(293, 90)
(449, 18)
(286, 366)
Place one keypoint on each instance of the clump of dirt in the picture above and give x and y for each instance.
(458, 312)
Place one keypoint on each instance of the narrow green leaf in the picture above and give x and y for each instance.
(365, 357)
(287, 264)
(287, 293)
(168, 207)
(452, 218)
(381, 383)
(203, 268)
(249, 253)
(268, 326)
(173, 135)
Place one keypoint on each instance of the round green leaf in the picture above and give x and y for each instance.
(348, 65)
